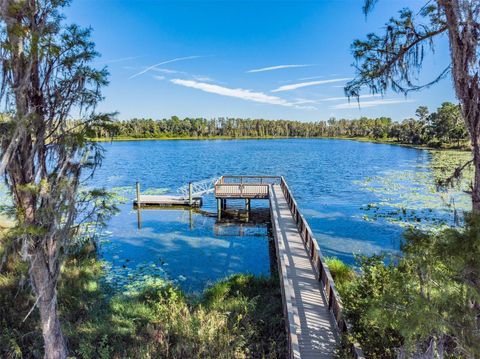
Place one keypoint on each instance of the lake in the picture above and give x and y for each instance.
(355, 196)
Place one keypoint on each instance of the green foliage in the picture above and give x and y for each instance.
(377, 338)
(342, 273)
(425, 301)
(395, 58)
(17, 336)
(238, 317)
(433, 129)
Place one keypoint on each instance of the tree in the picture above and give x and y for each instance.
(447, 123)
(45, 78)
(422, 113)
(394, 59)
(426, 304)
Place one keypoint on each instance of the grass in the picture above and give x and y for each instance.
(239, 317)
(342, 273)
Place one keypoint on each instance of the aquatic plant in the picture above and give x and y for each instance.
(238, 317)
(416, 196)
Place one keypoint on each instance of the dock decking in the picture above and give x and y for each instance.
(310, 323)
(312, 307)
(166, 201)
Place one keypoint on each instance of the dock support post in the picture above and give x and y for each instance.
(138, 194)
(191, 218)
(219, 208)
(190, 199)
(247, 204)
(139, 219)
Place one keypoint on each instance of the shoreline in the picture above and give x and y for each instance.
(463, 148)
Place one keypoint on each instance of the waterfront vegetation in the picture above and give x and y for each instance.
(423, 301)
(443, 128)
(54, 301)
(239, 317)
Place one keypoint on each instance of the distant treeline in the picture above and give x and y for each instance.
(443, 127)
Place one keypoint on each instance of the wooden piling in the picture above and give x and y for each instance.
(191, 218)
(139, 219)
(190, 190)
(247, 204)
(138, 194)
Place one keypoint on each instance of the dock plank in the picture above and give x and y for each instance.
(163, 200)
(311, 327)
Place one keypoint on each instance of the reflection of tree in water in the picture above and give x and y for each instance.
(416, 197)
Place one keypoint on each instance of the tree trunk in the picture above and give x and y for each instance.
(464, 40)
(45, 287)
(476, 181)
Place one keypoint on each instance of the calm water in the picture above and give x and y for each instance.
(193, 249)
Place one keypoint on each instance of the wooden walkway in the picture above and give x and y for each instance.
(312, 307)
(310, 323)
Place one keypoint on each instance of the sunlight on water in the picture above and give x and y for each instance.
(351, 193)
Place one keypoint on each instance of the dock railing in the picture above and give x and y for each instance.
(323, 273)
(260, 187)
(244, 186)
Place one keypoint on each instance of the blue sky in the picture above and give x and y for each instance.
(257, 59)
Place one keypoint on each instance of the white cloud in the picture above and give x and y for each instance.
(203, 78)
(373, 103)
(238, 93)
(301, 101)
(158, 77)
(163, 63)
(167, 71)
(122, 59)
(279, 67)
(305, 84)
(311, 78)
(344, 97)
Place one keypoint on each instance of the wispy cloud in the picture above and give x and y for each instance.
(122, 59)
(311, 78)
(238, 93)
(373, 103)
(306, 84)
(164, 63)
(167, 71)
(301, 101)
(203, 78)
(158, 77)
(279, 67)
(344, 97)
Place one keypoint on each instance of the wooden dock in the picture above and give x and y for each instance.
(146, 200)
(166, 201)
(312, 307)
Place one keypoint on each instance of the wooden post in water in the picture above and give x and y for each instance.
(219, 208)
(138, 194)
(247, 204)
(191, 218)
(139, 219)
(190, 189)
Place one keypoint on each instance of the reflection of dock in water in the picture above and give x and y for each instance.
(312, 307)
(243, 223)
